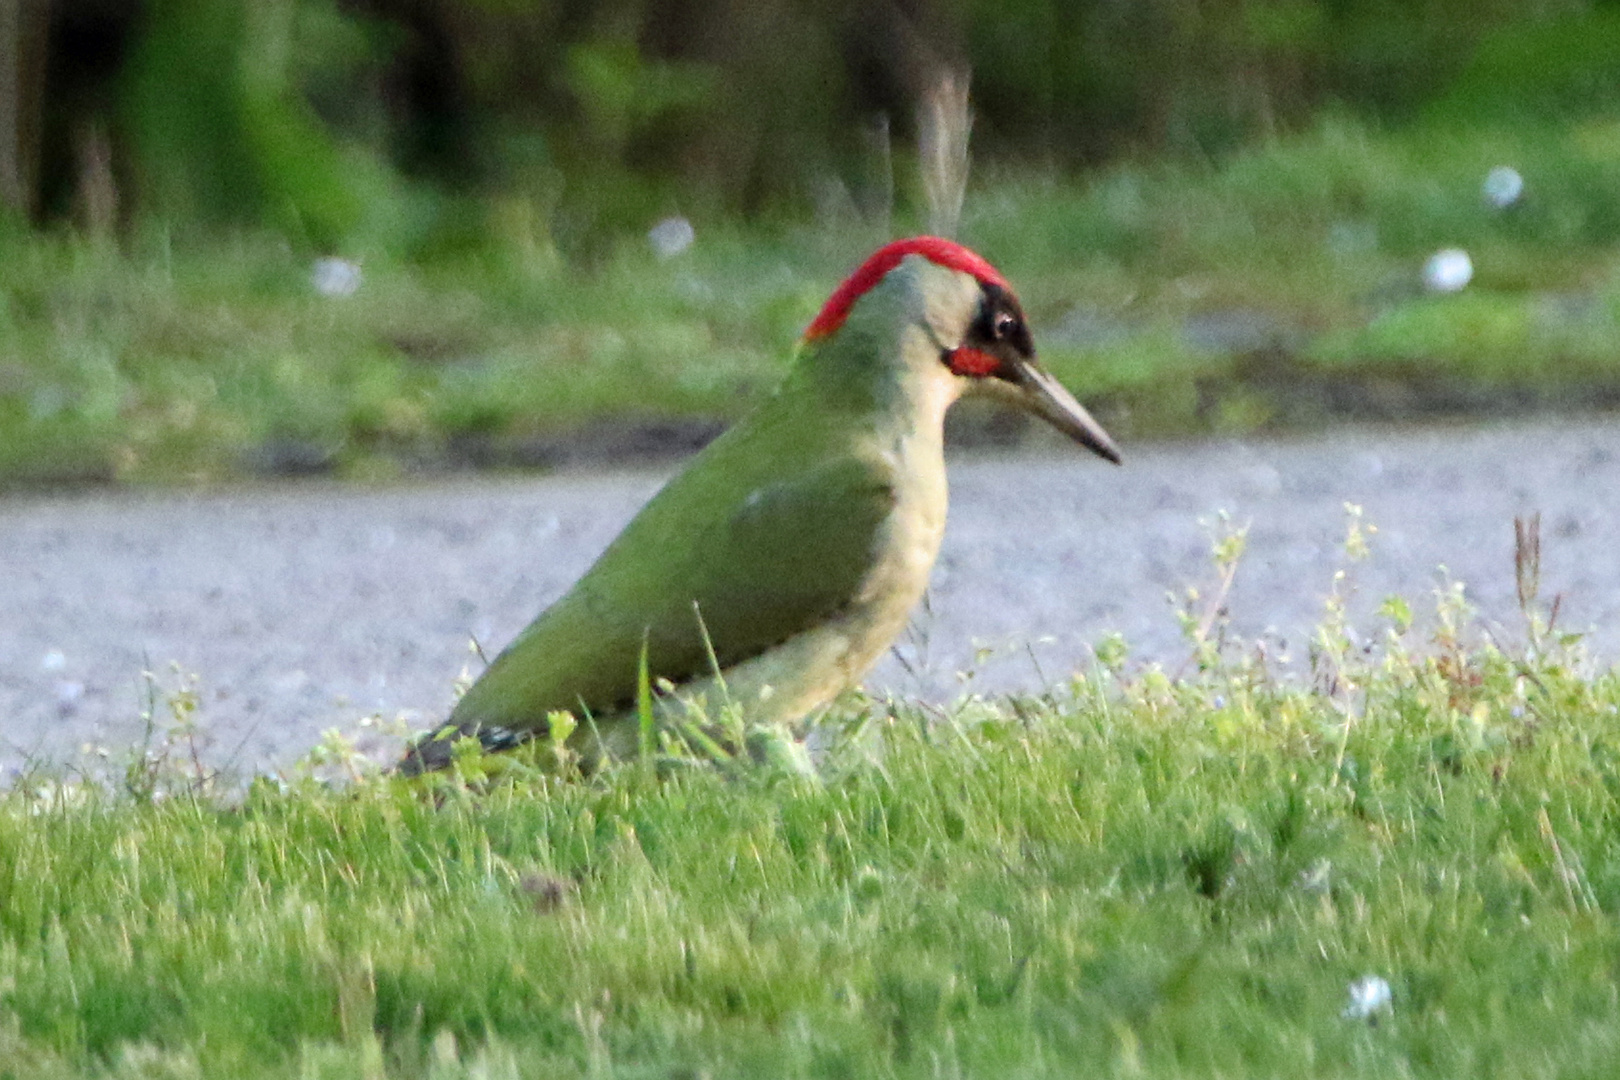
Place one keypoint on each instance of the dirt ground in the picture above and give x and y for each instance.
(309, 606)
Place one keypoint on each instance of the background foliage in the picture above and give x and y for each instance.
(344, 121)
(1216, 213)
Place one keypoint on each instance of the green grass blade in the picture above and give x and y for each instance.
(647, 720)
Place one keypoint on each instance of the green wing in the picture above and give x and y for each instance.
(760, 562)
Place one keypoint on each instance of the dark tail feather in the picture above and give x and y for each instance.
(435, 751)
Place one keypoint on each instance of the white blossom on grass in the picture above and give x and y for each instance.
(1369, 998)
(1448, 271)
(671, 236)
(1502, 188)
(334, 277)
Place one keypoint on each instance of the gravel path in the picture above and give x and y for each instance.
(302, 608)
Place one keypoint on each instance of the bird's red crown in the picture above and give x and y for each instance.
(946, 253)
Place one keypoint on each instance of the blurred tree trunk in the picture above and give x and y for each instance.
(22, 69)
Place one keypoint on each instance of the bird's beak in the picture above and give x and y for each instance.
(1034, 388)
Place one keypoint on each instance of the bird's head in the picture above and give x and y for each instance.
(969, 321)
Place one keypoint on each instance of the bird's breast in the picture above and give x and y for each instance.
(790, 682)
(802, 674)
(905, 548)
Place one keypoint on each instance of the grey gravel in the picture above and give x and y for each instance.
(313, 605)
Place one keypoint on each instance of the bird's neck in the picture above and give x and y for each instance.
(879, 376)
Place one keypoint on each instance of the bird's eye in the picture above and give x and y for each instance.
(1005, 324)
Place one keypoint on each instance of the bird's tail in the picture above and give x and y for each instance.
(437, 749)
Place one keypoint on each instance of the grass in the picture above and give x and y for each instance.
(1134, 874)
(1277, 287)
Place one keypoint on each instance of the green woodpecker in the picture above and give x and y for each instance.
(780, 564)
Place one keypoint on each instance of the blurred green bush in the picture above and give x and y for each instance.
(417, 126)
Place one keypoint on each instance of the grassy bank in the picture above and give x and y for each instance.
(1279, 287)
(1404, 865)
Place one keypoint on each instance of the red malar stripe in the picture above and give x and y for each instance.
(975, 362)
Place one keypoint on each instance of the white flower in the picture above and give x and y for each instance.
(1503, 186)
(335, 277)
(671, 236)
(1448, 270)
(1369, 996)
